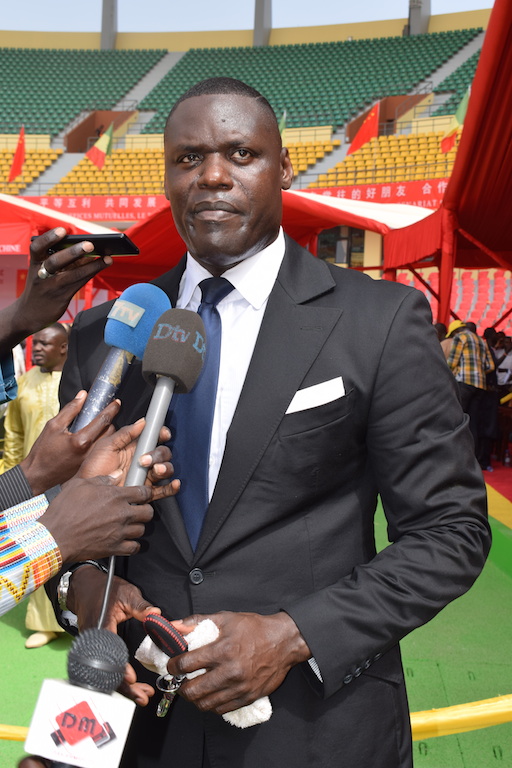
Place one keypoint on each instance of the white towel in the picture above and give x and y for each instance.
(206, 632)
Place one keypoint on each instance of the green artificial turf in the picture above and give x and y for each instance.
(462, 655)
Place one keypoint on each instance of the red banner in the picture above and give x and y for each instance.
(427, 193)
(14, 239)
(104, 207)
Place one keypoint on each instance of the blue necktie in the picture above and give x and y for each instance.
(191, 416)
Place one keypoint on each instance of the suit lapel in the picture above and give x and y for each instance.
(292, 333)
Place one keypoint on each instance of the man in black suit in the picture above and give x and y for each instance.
(332, 390)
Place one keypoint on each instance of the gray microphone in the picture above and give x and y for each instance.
(173, 360)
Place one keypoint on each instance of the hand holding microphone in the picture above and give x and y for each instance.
(58, 453)
(128, 327)
(175, 357)
(94, 516)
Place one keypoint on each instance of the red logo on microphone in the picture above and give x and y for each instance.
(80, 723)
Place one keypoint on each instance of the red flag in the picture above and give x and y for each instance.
(368, 130)
(102, 148)
(19, 156)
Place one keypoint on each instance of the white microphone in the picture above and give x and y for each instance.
(83, 722)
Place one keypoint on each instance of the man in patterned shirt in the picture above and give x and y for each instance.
(470, 361)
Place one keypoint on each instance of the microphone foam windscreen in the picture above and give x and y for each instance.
(97, 660)
(176, 349)
(133, 315)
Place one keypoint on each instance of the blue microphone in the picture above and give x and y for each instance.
(127, 331)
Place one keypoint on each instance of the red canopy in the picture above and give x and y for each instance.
(20, 220)
(305, 215)
(473, 227)
(25, 219)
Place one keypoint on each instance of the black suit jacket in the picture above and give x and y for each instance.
(290, 524)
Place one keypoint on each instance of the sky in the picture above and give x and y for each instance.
(200, 15)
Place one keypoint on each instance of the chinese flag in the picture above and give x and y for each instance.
(21, 281)
(102, 148)
(369, 128)
(19, 156)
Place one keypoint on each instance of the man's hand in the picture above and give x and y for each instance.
(250, 659)
(43, 302)
(95, 518)
(85, 595)
(58, 453)
(115, 453)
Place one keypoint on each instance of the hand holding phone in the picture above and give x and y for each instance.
(109, 244)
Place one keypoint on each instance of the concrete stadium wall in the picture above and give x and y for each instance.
(182, 41)
(464, 20)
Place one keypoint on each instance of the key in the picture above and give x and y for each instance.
(169, 686)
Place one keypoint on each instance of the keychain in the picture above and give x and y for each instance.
(169, 686)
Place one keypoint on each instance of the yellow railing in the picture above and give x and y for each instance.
(425, 725)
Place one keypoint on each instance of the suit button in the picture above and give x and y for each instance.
(358, 671)
(348, 679)
(196, 576)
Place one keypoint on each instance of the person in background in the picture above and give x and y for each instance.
(447, 342)
(38, 394)
(440, 330)
(470, 361)
(504, 366)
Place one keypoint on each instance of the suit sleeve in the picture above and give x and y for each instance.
(421, 460)
(14, 487)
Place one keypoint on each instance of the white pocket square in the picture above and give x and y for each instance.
(318, 394)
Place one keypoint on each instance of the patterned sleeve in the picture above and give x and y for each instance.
(29, 554)
(455, 352)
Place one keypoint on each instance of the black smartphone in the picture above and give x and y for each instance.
(110, 244)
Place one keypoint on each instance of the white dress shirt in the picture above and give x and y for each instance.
(241, 313)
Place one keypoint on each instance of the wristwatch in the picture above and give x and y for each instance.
(63, 585)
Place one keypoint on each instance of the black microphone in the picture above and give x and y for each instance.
(129, 324)
(97, 660)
